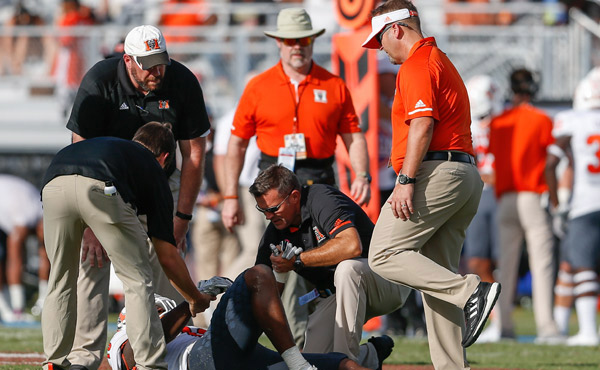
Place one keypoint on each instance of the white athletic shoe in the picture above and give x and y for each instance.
(551, 340)
(491, 334)
(583, 340)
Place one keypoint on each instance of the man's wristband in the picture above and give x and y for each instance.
(230, 197)
(183, 216)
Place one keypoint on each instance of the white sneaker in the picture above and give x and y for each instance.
(36, 310)
(551, 340)
(583, 340)
(491, 334)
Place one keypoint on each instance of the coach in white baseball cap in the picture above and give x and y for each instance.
(380, 23)
(147, 46)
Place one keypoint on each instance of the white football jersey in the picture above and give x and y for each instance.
(178, 349)
(583, 126)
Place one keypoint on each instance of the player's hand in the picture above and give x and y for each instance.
(281, 264)
(232, 214)
(92, 248)
(401, 201)
(180, 229)
(201, 303)
(360, 191)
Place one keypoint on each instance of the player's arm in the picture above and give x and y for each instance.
(172, 323)
(234, 161)
(343, 246)
(356, 145)
(192, 171)
(177, 272)
(556, 152)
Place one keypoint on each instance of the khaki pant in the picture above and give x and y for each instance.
(91, 333)
(72, 203)
(521, 217)
(360, 294)
(424, 252)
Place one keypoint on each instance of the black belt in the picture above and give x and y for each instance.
(449, 156)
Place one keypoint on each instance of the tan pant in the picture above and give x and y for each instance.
(424, 252)
(72, 203)
(336, 325)
(91, 333)
(521, 217)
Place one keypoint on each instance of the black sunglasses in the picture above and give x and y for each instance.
(274, 208)
(380, 34)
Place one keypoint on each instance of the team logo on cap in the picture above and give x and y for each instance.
(151, 44)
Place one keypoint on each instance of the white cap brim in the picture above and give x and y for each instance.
(380, 21)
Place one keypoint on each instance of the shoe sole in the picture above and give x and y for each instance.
(494, 292)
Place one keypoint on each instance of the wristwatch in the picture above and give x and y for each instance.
(403, 179)
(298, 264)
(366, 175)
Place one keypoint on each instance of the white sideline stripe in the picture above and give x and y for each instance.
(21, 355)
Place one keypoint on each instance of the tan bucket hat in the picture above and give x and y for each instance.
(294, 23)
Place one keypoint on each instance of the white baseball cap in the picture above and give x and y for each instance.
(148, 47)
(379, 22)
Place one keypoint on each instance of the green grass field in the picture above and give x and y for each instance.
(407, 351)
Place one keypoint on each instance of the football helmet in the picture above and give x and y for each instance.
(163, 305)
(587, 93)
(485, 96)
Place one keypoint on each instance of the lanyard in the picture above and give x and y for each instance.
(296, 92)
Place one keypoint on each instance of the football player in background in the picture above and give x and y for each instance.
(578, 131)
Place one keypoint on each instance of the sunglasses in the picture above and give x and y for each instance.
(304, 41)
(380, 34)
(274, 208)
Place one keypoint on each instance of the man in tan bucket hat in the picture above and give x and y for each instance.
(296, 109)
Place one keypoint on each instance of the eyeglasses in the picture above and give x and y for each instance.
(380, 34)
(274, 208)
(303, 41)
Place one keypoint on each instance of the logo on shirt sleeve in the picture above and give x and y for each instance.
(420, 107)
(318, 234)
(339, 223)
(320, 96)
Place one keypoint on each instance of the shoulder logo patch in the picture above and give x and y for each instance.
(419, 104)
(124, 106)
(318, 234)
(320, 96)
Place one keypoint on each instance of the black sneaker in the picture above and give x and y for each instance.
(478, 309)
(383, 345)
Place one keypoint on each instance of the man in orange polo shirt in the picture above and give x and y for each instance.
(519, 139)
(418, 237)
(296, 109)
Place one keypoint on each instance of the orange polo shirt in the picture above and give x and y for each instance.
(270, 108)
(519, 138)
(428, 85)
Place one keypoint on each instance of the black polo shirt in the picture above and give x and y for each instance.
(326, 211)
(107, 104)
(137, 175)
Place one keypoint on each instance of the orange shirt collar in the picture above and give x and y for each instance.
(429, 41)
